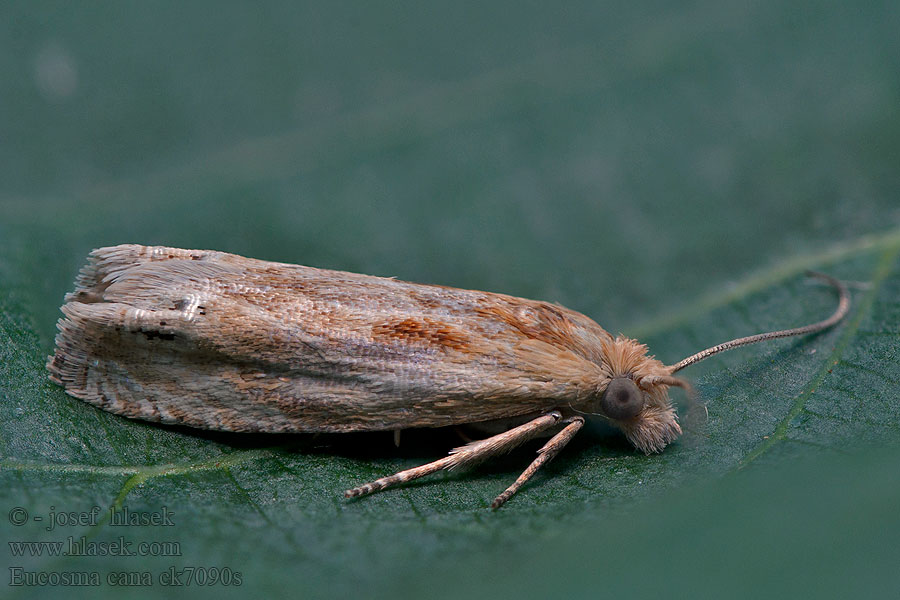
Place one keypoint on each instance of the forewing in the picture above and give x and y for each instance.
(214, 340)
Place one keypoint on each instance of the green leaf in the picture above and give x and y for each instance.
(811, 400)
(670, 171)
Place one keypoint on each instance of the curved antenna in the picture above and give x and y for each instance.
(841, 311)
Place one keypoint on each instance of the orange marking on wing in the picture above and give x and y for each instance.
(422, 331)
(538, 321)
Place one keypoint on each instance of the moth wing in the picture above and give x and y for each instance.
(105, 264)
(217, 341)
(142, 369)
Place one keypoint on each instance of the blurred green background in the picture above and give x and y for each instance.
(669, 170)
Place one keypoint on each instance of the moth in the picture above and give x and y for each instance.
(217, 341)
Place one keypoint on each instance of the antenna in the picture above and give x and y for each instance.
(841, 311)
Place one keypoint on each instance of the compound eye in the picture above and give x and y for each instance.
(622, 399)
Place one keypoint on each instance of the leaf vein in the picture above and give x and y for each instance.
(882, 271)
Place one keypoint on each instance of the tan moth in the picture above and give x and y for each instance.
(217, 341)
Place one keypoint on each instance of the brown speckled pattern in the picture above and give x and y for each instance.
(218, 341)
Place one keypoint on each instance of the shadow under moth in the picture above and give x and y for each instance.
(217, 341)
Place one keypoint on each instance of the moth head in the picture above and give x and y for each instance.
(634, 392)
(654, 424)
(635, 395)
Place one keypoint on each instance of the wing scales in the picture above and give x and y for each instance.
(214, 340)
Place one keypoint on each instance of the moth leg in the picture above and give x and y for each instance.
(545, 455)
(469, 454)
